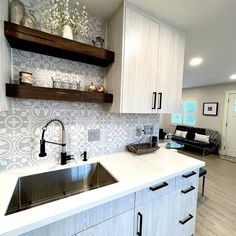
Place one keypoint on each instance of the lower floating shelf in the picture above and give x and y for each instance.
(32, 92)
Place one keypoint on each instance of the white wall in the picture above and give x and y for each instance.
(4, 56)
(214, 93)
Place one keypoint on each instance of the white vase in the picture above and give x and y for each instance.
(17, 11)
(67, 32)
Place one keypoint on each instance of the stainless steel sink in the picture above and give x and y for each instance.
(35, 190)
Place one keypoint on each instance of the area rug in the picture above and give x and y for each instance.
(228, 158)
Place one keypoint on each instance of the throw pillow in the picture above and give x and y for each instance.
(178, 133)
(202, 138)
(184, 134)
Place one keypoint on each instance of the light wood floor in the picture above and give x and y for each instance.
(216, 212)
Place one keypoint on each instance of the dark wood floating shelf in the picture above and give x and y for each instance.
(27, 39)
(32, 92)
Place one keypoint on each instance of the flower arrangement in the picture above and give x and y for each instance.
(56, 14)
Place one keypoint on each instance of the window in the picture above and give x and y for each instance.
(188, 115)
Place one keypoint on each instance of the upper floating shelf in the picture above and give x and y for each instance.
(27, 39)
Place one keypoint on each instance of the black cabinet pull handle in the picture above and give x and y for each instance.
(159, 101)
(186, 219)
(158, 186)
(140, 229)
(154, 100)
(188, 190)
(189, 175)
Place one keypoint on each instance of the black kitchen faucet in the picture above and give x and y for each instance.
(64, 156)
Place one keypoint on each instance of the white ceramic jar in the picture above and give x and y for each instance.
(17, 10)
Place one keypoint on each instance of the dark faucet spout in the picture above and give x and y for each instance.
(43, 153)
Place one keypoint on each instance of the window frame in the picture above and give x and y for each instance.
(183, 113)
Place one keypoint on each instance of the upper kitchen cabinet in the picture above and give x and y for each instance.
(4, 56)
(148, 72)
(133, 77)
(170, 69)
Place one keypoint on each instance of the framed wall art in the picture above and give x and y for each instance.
(210, 108)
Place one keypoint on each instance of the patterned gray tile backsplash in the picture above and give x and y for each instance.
(21, 127)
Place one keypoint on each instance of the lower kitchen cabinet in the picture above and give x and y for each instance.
(186, 204)
(165, 209)
(155, 218)
(108, 212)
(117, 226)
(168, 208)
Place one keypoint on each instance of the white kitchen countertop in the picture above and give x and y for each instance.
(133, 173)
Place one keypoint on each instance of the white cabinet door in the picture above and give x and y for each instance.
(117, 226)
(170, 69)
(155, 218)
(147, 74)
(140, 62)
(4, 56)
(132, 78)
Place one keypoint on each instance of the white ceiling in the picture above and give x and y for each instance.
(210, 28)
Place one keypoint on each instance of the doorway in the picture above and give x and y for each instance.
(229, 124)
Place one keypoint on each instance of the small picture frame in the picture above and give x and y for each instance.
(210, 108)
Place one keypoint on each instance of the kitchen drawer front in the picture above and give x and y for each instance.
(154, 191)
(187, 179)
(86, 219)
(187, 201)
(187, 227)
(185, 212)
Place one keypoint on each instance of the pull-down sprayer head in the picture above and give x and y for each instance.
(43, 141)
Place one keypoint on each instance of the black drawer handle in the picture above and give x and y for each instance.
(189, 175)
(158, 186)
(188, 190)
(184, 221)
(140, 229)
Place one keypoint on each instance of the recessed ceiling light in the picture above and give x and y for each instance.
(233, 76)
(195, 61)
